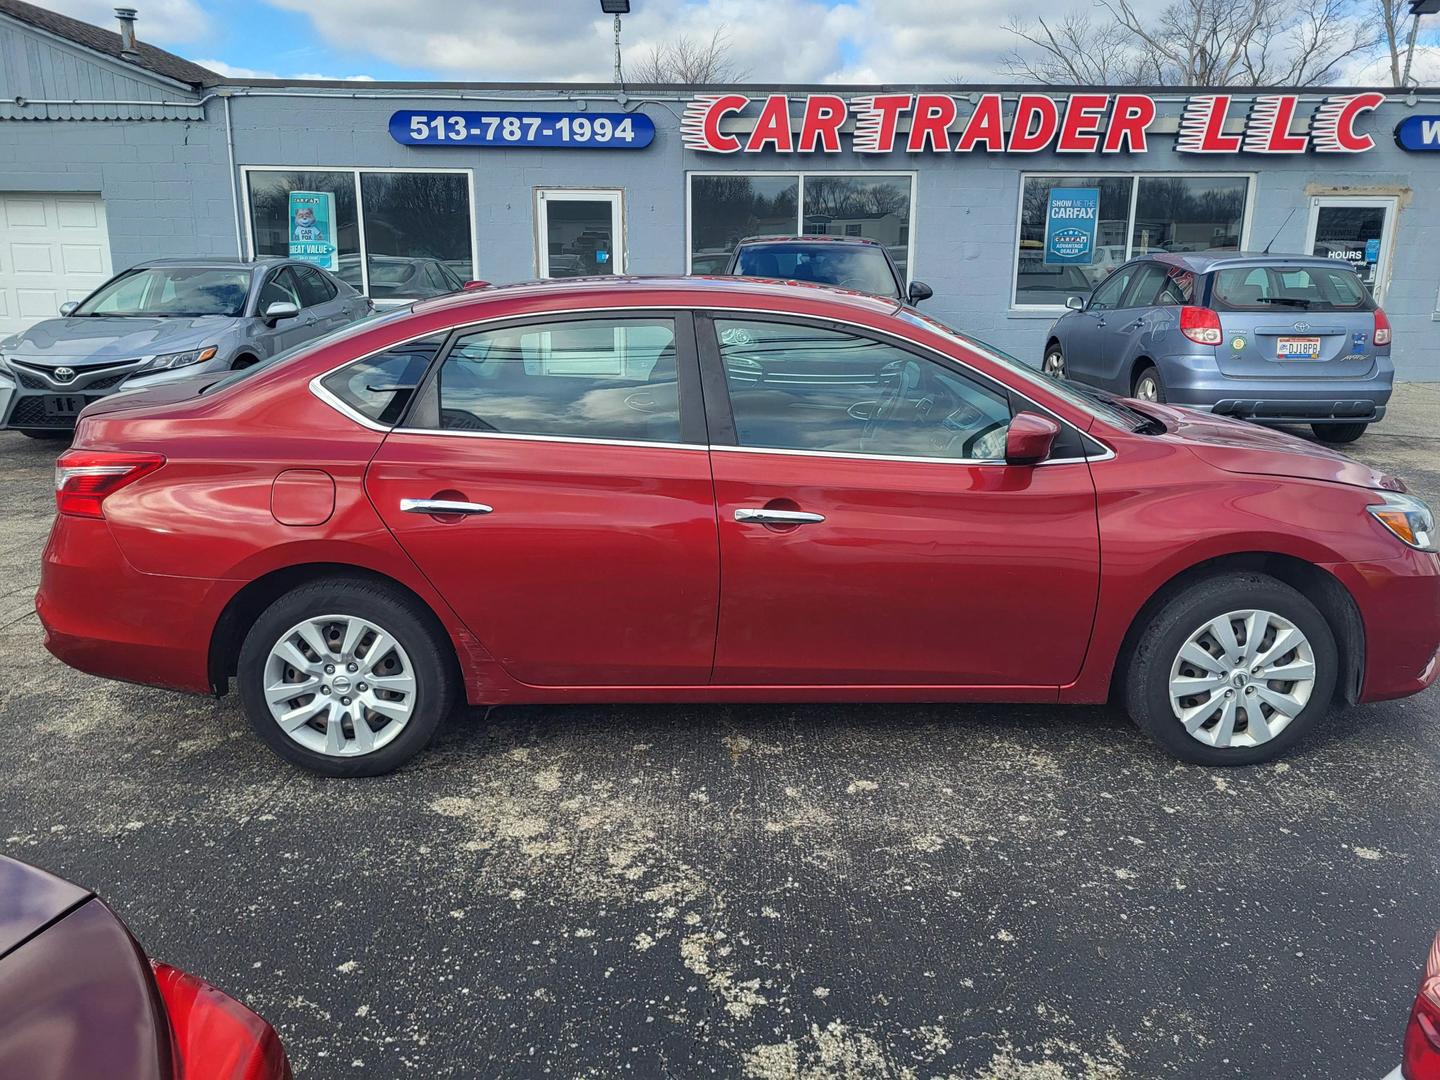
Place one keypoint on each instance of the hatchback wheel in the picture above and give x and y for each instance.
(346, 677)
(1149, 386)
(1338, 433)
(1232, 671)
(1054, 364)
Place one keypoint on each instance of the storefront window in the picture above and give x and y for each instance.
(726, 207)
(1133, 215)
(1040, 278)
(417, 235)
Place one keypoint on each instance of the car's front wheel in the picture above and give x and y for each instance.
(346, 677)
(1338, 433)
(1232, 671)
(1054, 363)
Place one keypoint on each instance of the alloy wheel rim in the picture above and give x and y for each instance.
(1147, 389)
(1241, 678)
(1055, 365)
(339, 685)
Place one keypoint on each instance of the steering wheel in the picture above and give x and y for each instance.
(907, 377)
(858, 284)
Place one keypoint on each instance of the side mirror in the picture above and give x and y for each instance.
(920, 291)
(1029, 439)
(1075, 303)
(280, 309)
(68, 308)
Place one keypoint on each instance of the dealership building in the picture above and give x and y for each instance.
(1005, 200)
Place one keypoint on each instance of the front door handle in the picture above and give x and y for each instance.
(443, 506)
(777, 517)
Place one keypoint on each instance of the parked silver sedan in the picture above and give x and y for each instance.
(163, 320)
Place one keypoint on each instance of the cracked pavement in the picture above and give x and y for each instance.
(978, 892)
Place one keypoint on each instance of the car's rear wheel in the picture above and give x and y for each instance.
(1148, 384)
(1054, 363)
(1232, 671)
(346, 677)
(1338, 433)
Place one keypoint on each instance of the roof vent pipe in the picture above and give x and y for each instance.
(127, 16)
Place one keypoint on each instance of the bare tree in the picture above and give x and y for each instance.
(1197, 43)
(1398, 41)
(686, 59)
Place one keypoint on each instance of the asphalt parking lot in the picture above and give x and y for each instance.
(989, 893)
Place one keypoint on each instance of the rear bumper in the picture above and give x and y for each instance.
(104, 617)
(1399, 602)
(1197, 383)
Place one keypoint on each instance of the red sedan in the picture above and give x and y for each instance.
(703, 490)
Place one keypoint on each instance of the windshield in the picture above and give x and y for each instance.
(859, 267)
(1307, 288)
(170, 292)
(1092, 400)
(304, 349)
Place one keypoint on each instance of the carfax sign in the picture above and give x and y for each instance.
(1071, 220)
(603, 131)
(312, 228)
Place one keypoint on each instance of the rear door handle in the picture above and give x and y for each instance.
(777, 517)
(443, 506)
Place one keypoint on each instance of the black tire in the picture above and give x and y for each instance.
(1054, 363)
(46, 435)
(1338, 433)
(1147, 681)
(242, 361)
(412, 625)
(1152, 373)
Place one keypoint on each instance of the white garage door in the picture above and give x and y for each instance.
(53, 248)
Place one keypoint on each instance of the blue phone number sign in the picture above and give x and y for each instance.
(590, 131)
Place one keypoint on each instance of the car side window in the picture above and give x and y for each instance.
(1112, 290)
(1179, 287)
(279, 288)
(314, 287)
(591, 378)
(380, 386)
(1145, 288)
(798, 387)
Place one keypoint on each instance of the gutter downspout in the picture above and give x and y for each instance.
(234, 184)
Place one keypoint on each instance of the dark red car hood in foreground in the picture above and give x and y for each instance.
(1239, 447)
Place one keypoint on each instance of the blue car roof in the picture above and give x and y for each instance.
(1203, 262)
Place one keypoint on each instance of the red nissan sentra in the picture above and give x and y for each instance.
(718, 490)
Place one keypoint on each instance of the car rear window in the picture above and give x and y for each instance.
(1306, 288)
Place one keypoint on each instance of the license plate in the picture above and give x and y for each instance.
(62, 406)
(1298, 348)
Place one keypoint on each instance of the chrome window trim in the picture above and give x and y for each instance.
(341, 407)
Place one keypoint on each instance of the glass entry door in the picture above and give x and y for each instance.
(580, 232)
(1357, 231)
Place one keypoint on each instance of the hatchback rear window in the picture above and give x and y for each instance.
(1307, 288)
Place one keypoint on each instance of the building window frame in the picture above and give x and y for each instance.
(909, 175)
(355, 171)
(1246, 219)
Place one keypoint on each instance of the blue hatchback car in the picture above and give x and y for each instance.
(1277, 339)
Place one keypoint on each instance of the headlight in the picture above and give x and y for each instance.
(1408, 518)
(181, 359)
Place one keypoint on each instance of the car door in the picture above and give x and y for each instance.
(552, 482)
(320, 301)
(870, 533)
(1128, 328)
(1088, 339)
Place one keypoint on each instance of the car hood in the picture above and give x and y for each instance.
(1239, 447)
(92, 339)
(30, 899)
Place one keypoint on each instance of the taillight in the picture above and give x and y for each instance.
(1421, 1060)
(1200, 325)
(83, 478)
(214, 1036)
(1382, 328)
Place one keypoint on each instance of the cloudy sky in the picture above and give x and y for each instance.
(543, 40)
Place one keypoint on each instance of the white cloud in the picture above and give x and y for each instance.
(232, 71)
(1425, 69)
(161, 22)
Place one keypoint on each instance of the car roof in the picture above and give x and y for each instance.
(695, 291)
(220, 262)
(807, 239)
(1203, 262)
